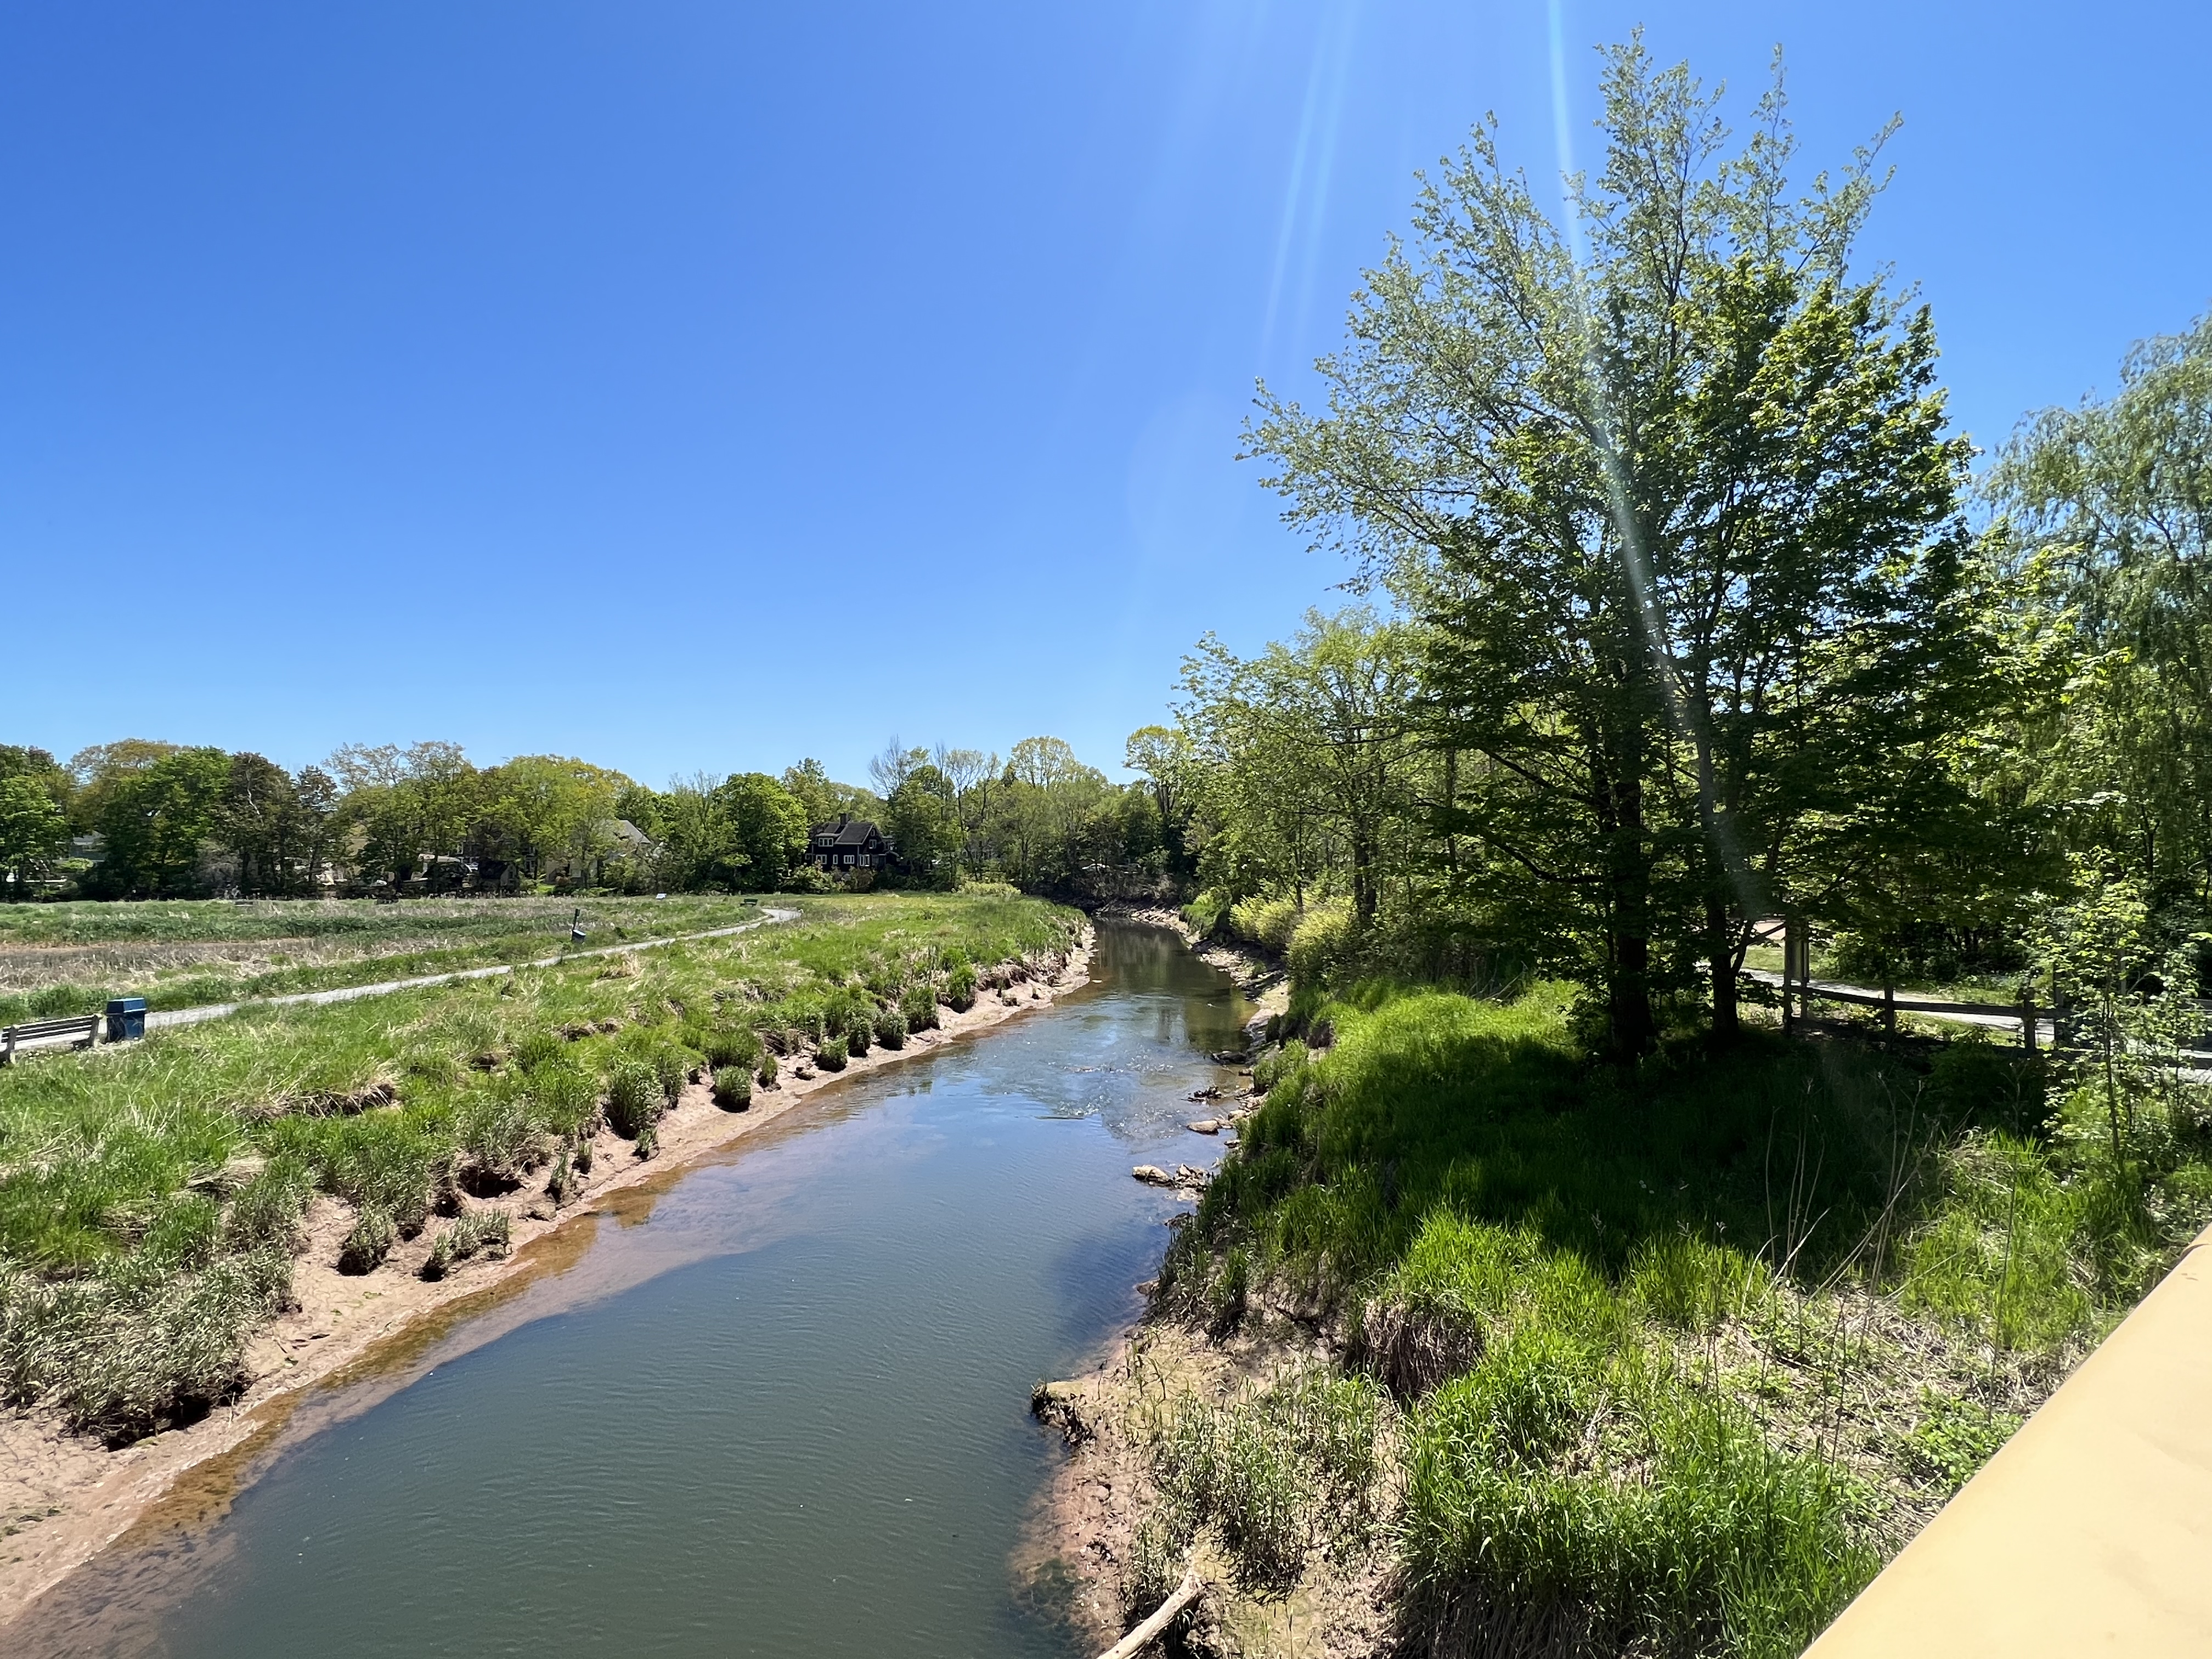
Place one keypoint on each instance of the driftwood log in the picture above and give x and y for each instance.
(1139, 1639)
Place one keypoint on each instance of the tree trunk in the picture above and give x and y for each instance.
(1720, 951)
(1631, 1029)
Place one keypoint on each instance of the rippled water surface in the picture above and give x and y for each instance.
(778, 1408)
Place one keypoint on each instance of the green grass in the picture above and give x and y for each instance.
(1678, 1357)
(90, 952)
(149, 1195)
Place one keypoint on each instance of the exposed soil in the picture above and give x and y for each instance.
(1081, 1529)
(63, 1496)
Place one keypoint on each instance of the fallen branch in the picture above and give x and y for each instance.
(1138, 1639)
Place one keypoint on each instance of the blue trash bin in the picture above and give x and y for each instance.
(126, 1019)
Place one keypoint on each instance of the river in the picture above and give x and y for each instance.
(778, 1407)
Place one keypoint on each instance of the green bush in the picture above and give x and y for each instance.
(733, 1088)
(138, 1345)
(265, 1210)
(565, 1099)
(1322, 941)
(735, 1047)
(1277, 1475)
(1973, 1081)
(766, 1075)
(1688, 1531)
(384, 1161)
(491, 1231)
(371, 1240)
(960, 988)
(918, 1006)
(533, 1050)
(1207, 912)
(859, 1033)
(498, 1135)
(831, 1056)
(634, 1097)
(648, 1141)
(1267, 923)
(891, 1029)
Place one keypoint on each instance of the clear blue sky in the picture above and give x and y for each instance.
(690, 385)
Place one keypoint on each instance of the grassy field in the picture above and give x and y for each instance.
(71, 958)
(1661, 1364)
(151, 1196)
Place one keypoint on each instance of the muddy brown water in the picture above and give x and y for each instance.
(778, 1408)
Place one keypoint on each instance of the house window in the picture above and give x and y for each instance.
(848, 859)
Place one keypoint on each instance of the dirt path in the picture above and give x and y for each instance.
(64, 1496)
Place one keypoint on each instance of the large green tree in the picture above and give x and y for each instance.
(923, 819)
(33, 832)
(2111, 502)
(1669, 487)
(156, 820)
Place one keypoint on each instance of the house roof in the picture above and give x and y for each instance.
(848, 832)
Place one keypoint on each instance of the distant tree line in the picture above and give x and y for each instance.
(143, 819)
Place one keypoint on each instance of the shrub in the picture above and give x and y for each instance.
(368, 1243)
(733, 1047)
(1277, 1475)
(766, 1074)
(648, 1141)
(830, 1056)
(584, 1156)
(566, 1099)
(960, 988)
(561, 1185)
(670, 1063)
(136, 1347)
(533, 1050)
(1208, 911)
(634, 1097)
(265, 1211)
(733, 1088)
(1718, 1541)
(918, 1006)
(490, 1230)
(1695, 1286)
(858, 1032)
(499, 1136)
(1321, 942)
(1973, 1081)
(387, 1162)
(891, 1029)
(1267, 923)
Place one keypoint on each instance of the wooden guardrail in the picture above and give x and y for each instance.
(2024, 1012)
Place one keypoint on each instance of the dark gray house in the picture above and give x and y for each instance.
(850, 844)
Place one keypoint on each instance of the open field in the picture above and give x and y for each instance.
(69, 958)
(1665, 1363)
(152, 1195)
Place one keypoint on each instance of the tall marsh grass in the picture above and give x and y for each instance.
(1675, 1356)
(150, 1196)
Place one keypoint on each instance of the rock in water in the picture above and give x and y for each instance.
(1205, 1126)
(1152, 1175)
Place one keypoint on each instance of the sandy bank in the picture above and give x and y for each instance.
(64, 1496)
